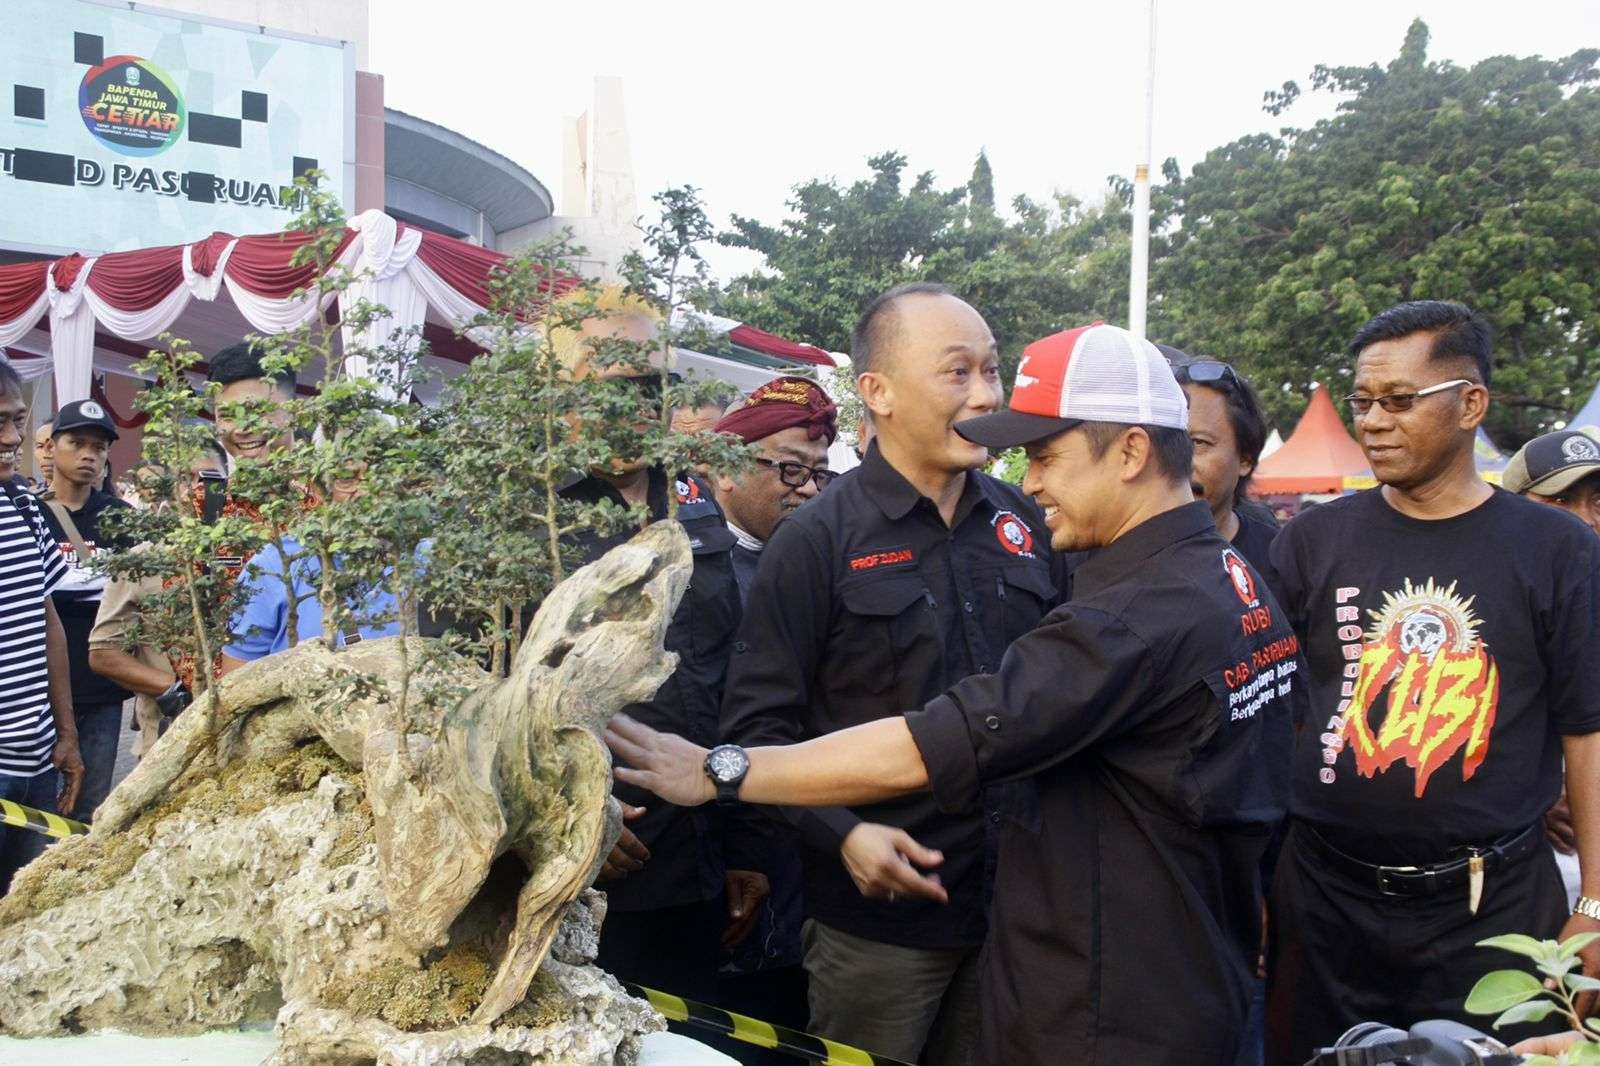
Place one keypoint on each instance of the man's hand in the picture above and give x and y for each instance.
(746, 891)
(69, 762)
(629, 853)
(1548, 1045)
(879, 859)
(663, 763)
(1590, 956)
(1558, 827)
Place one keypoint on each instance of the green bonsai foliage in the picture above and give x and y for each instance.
(1517, 996)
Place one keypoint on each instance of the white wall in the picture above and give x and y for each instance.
(342, 20)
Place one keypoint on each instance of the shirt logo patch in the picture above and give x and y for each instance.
(876, 560)
(688, 491)
(1013, 534)
(1244, 584)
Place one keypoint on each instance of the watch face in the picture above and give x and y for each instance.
(727, 763)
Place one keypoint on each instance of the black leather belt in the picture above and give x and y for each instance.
(1428, 880)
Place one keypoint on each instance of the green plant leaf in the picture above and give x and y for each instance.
(1544, 1060)
(1535, 1010)
(1501, 990)
(1558, 968)
(1518, 944)
(1592, 1023)
(1576, 943)
(1579, 983)
(1586, 1054)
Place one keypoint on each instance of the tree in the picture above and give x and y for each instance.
(1435, 181)
(1055, 265)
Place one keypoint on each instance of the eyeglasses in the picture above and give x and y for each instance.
(795, 475)
(1396, 402)
(1206, 372)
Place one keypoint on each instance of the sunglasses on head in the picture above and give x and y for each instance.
(1206, 372)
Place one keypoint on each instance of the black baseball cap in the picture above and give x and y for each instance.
(1552, 464)
(83, 414)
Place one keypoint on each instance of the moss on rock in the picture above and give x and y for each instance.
(79, 866)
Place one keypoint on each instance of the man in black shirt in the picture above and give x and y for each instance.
(912, 571)
(1228, 431)
(1450, 631)
(1149, 721)
(73, 509)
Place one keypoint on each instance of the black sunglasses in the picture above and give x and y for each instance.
(795, 474)
(1206, 372)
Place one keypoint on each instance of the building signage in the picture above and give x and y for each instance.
(132, 127)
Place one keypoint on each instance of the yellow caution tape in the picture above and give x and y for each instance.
(51, 825)
(762, 1034)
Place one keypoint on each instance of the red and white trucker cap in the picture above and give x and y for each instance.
(1096, 373)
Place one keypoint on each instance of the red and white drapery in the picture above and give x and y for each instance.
(137, 295)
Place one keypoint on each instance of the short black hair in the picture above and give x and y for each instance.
(10, 380)
(1172, 448)
(242, 362)
(1458, 331)
(871, 334)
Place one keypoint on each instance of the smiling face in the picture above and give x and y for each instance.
(1408, 449)
(253, 443)
(13, 419)
(939, 367)
(80, 456)
(1081, 493)
(1218, 466)
(758, 499)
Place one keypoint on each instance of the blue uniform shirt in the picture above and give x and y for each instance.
(261, 627)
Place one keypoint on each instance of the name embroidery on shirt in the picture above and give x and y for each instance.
(876, 560)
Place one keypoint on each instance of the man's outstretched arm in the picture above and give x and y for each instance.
(865, 764)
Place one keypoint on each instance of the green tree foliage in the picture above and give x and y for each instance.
(1055, 264)
(1477, 184)
(1433, 181)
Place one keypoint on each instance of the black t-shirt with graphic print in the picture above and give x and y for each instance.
(1447, 658)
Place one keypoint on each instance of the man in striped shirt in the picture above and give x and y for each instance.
(39, 761)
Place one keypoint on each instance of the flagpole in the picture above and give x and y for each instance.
(1139, 270)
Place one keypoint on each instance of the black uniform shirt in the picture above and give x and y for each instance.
(77, 598)
(866, 603)
(1153, 715)
(686, 858)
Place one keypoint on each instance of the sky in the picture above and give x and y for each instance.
(746, 100)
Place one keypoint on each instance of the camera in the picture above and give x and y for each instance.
(1434, 1043)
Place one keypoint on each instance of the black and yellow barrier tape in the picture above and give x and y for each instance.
(759, 1033)
(51, 825)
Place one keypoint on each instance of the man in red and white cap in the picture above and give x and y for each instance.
(792, 422)
(1150, 717)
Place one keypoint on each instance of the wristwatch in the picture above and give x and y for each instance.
(174, 700)
(726, 765)
(1588, 907)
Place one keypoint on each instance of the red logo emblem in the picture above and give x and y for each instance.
(688, 491)
(1013, 533)
(1244, 583)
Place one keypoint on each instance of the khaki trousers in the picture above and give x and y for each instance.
(914, 1004)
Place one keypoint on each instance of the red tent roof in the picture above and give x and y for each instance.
(1317, 457)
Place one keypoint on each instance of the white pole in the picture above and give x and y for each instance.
(1139, 272)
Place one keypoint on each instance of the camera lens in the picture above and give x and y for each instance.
(1370, 1034)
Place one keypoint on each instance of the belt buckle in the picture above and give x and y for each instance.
(1384, 871)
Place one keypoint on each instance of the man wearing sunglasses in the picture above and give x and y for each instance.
(1450, 632)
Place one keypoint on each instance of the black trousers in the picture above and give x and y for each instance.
(1341, 952)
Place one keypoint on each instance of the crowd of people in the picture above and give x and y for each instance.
(1104, 767)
